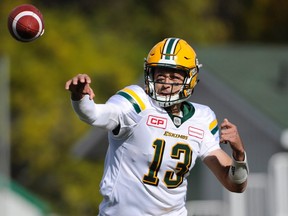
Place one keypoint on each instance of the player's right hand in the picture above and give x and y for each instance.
(79, 86)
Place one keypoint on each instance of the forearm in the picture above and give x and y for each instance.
(236, 176)
(231, 175)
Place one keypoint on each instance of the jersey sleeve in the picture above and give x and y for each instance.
(211, 138)
(100, 115)
(122, 109)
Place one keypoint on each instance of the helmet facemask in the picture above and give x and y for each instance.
(167, 100)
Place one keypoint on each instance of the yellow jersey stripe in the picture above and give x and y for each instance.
(213, 127)
(136, 98)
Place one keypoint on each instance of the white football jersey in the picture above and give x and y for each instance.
(148, 161)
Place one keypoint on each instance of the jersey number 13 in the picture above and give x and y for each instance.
(172, 179)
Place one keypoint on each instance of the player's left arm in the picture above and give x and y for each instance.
(232, 171)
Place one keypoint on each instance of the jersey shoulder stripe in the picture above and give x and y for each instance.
(133, 98)
(214, 126)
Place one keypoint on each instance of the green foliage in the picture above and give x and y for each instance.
(255, 21)
(44, 126)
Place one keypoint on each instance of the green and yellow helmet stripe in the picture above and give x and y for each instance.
(133, 98)
(213, 127)
(169, 48)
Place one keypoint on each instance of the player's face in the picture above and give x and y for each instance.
(168, 81)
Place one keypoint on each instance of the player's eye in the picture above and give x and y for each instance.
(160, 79)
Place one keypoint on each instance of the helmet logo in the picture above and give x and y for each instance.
(168, 52)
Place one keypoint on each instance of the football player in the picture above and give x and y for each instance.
(156, 135)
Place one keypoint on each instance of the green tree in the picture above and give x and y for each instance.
(44, 127)
(255, 21)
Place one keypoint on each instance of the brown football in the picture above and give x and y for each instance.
(25, 23)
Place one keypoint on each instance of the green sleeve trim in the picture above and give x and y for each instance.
(131, 100)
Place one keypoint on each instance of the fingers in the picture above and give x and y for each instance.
(79, 86)
(223, 127)
(80, 78)
(229, 135)
(229, 132)
(88, 90)
(226, 124)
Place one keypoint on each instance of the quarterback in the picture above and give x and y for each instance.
(156, 135)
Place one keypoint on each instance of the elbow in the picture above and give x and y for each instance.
(237, 188)
(87, 120)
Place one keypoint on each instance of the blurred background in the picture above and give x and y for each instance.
(51, 163)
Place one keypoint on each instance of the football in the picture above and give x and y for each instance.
(25, 23)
